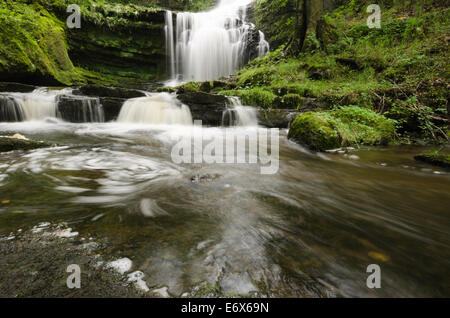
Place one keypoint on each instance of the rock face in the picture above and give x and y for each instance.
(80, 109)
(122, 43)
(206, 107)
(111, 98)
(10, 110)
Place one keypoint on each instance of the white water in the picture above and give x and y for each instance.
(239, 115)
(156, 109)
(36, 105)
(263, 46)
(170, 51)
(42, 103)
(211, 44)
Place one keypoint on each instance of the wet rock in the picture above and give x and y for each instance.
(34, 263)
(112, 107)
(80, 109)
(16, 87)
(10, 144)
(206, 107)
(199, 179)
(276, 118)
(104, 91)
(435, 158)
(10, 109)
(162, 292)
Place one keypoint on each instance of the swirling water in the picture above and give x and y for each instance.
(310, 230)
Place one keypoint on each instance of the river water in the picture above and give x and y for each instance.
(310, 230)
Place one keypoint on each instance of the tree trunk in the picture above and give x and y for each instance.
(307, 17)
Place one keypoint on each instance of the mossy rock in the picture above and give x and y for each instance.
(434, 158)
(344, 126)
(314, 131)
(10, 144)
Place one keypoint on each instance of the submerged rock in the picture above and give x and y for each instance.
(434, 158)
(10, 144)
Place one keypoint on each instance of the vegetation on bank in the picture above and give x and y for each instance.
(400, 70)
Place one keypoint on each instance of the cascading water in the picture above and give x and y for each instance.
(43, 103)
(170, 51)
(263, 46)
(156, 109)
(238, 115)
(211, 44)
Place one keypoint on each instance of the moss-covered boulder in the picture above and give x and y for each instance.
(434, 158)
(314, 131)
(10, 144)
(345, 126)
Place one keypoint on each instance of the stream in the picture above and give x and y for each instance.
(309, 230)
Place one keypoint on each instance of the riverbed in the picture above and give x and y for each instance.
(310, 230)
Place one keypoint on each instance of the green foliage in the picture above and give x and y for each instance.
(258, 96)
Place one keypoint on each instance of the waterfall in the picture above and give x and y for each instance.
(170, 52)
(80, 109)
(209, 45)
(36, 105)
(263, 46)
(43, 103)
(156, 109)
(10, 109)
(238, 115)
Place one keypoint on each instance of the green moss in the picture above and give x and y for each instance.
(434, 158)
(314, 131)
(258, 96)
(344, 126)
(33, 45)
(10, 144)
(191, 87)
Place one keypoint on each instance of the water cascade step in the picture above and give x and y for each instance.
(238, 115)
(155, 109)
(43, 103)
